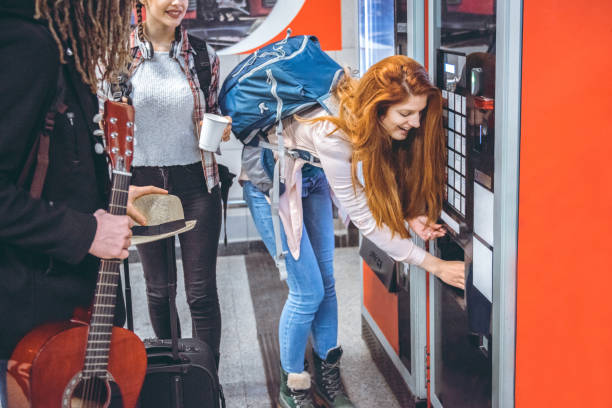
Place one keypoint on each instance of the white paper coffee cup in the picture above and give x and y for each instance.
(212, 131)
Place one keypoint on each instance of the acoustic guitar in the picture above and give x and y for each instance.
(73, 364)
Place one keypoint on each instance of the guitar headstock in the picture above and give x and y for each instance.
(119, 133)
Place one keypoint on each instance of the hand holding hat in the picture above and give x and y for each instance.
(137, 192)
(164, 218)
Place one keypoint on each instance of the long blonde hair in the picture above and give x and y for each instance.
(403, 179)
(97, 32)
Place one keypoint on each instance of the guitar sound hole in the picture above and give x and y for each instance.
(90, 393)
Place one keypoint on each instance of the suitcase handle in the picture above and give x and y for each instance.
(169, 368)
(172, 281)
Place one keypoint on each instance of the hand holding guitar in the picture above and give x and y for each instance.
(113, 235)
(100, 363)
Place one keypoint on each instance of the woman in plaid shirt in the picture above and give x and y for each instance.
(170, 104)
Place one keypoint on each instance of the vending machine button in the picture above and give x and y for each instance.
(463, 166)
(458, 163)
(451, 138)
(457, 103)
(451, 178)
(463, 146)
(444, 94)
(463, 125)
(462, 185)
(457, 183)
(451, 101)
(451, 159)
(451, 120)
(463, 103)
(458, 142)
(457, 123)
(458, 202)
(451, 195)
(463, 205)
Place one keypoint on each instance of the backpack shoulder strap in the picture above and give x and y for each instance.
(39, 154)
(202, 64)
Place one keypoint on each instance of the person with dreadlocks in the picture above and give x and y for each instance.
(50, 246)
(170, 95)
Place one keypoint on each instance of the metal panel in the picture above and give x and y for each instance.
(418, 296)
(408, 379)
(508, 106)
(416, 30)
(433, 44)
(435, 402)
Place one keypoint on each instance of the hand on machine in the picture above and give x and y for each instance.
(425, 229)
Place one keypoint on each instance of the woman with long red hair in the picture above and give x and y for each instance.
(383, 157)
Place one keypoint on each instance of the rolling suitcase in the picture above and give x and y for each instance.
(181, 373)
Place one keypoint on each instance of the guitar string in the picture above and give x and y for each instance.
(109, 279)
(108, 291)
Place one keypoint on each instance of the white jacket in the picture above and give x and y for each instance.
(335, 153)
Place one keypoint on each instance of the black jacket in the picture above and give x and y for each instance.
(44, 267)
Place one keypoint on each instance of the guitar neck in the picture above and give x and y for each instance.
(103, 311)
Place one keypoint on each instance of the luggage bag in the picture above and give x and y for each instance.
(181, 373)
(189, 381)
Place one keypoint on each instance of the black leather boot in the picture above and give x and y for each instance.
(329, 390)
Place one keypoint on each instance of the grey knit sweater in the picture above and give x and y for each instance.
(164, 133)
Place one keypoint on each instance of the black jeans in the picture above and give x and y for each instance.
(198, 251)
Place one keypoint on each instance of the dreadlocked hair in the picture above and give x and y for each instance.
(96, 31)
(139, 26)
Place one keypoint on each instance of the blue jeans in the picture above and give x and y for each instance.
(311, 306)
(3, 364)
(198, 251)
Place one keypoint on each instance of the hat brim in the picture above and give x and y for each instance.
(138, 239)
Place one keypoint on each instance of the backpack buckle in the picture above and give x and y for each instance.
(304, 155)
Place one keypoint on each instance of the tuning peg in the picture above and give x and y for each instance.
(98, 133)
(97, 118)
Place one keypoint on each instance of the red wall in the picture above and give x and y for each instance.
(381, 305)
(321, 18)
(564, 292)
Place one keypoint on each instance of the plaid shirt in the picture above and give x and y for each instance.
(184, 55)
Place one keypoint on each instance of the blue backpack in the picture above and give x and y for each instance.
(275, 82)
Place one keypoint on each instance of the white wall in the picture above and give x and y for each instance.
(349, 56)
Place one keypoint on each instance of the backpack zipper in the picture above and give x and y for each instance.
(273, 60)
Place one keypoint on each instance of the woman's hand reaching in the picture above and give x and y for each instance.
(425, 229)
(450, 272)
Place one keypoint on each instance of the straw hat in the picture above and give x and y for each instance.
(165, 218)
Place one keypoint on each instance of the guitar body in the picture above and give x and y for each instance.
(50, 357)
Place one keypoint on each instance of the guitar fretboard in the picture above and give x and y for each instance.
(103, 311)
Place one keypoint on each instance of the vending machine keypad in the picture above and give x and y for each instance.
(456, 123)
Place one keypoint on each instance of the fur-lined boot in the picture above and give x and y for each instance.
(295, 390)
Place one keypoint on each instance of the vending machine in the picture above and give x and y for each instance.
(465, 73)
(438, 338)
(527, 126)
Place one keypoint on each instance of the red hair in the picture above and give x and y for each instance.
(403, 179)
